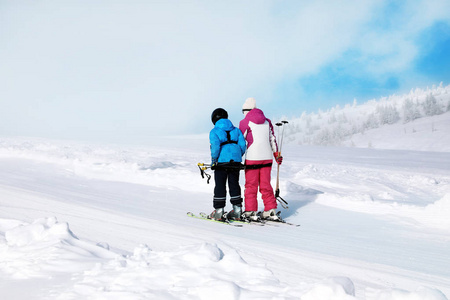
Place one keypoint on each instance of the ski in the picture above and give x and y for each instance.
(204, 216)
(275, 223)
(280, 221)
(235, 223)
(256, 223)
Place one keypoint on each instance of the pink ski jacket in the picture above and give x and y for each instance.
(258, 131)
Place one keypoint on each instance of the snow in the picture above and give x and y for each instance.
(394, 122)
(87, 221)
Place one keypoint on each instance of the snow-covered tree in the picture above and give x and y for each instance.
(371, 122)
(339, 134)
(335, 126)
(332, 118)
(323, 137)
(410, 111)
(342, 118)
(431, 107)
(387, 114)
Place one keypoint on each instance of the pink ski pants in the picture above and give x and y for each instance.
(255, 178)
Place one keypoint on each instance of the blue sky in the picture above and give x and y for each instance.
(125, 71)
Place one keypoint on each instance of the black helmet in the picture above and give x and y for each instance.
(217, 114)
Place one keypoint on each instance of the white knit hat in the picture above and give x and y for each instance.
(250, 103)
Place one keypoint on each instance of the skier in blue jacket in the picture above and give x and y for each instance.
(227, 148)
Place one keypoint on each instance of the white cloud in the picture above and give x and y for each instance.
(156, 66)
(394, 48)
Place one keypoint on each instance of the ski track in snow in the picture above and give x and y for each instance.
(82, 221)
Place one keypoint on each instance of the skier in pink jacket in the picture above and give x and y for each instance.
(261, 149)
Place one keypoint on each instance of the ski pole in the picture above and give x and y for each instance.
(278, 166)
(282, 134)
(279, 124)
(277, 190)
(203, 167)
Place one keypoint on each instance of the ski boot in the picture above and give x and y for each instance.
(271, 215)
(217, 214)
(235, 214)
(251, 216)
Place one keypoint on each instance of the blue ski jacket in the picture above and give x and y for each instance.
(227, 142)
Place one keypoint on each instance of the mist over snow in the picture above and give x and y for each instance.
(100, 221)
(394, 122)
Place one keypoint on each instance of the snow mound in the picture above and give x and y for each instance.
(114, 163)
(414, 198)
(336, 288)
(43, 248)
(422, 293)
(190, 272)
(434, 215)
(47, 249)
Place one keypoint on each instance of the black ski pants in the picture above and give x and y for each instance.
(221, 176)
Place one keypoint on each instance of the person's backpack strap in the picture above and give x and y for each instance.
(228, 141)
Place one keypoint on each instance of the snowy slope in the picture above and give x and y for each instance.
(432, 132)
(419, 120)
(84, 221)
